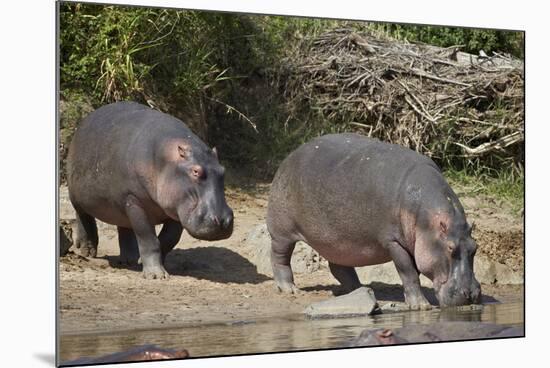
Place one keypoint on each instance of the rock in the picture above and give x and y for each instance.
(304, 258)
(395, 307)
(385, 273)
(505, 276)
(66, 210)
(488, 271)
(359, 302)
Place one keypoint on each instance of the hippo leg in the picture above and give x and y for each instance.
(281, 252)
(86, 237)
(346, 276)
(408, 273)
(169, 236)
(129, 252)
(148, 243)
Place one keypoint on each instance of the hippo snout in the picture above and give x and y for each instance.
(224, 221)
(211, 225)
(475, 295)
(456, 296)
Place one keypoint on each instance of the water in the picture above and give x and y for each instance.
(276, 334)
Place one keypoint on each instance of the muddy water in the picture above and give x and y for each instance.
(283, 333)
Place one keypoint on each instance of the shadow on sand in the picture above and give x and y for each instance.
(211, 263)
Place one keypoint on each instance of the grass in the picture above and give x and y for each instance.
(506, 186)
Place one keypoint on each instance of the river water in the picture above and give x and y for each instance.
(276, 334)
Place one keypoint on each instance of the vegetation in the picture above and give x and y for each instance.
(225, 76)
(504, 186)
(472, 40)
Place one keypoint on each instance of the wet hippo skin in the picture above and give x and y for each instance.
(440, 331)
(137, 354)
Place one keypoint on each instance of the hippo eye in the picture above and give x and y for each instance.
(451, 248)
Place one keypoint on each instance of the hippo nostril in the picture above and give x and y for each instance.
(216, 220)
(476, 296)
(227, 220)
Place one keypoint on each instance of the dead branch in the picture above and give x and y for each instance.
(420, 96)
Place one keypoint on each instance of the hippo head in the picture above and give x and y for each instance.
(191, 190)
(445, 254)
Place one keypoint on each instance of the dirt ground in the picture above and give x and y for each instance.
(215, 281)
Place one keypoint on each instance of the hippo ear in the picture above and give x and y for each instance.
(443, 228)
(215, 151)
(184, 151)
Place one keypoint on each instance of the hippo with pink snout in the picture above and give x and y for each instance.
(360, 202)
(136, 167)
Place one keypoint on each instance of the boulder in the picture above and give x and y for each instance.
(359, 302)
(304, 258)
(488, 271)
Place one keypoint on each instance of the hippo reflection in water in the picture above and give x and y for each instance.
(359, 202)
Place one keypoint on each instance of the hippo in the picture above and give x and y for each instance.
(436, 332)
(136, 354)
(359, 201)
(135, 167)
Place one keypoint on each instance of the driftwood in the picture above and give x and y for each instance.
(498, 144)
(439, 101)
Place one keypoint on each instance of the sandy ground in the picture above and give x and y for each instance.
(216, 282)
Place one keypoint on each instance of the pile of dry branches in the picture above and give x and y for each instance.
(439, 101)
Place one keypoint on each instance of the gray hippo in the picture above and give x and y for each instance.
(135, 167)
(359, 202)
(137, 354)
(439, 331)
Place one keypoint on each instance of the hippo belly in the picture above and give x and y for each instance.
(112, 211)
(350, 254)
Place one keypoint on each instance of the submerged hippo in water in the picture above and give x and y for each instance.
(135, 167)
(440, 331)
(360, 202)
(137, 354)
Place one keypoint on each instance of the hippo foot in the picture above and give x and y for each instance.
(287, 288)
(128, 261)
(421, 307)
(151, 273)
(417, 302)
(87, 251)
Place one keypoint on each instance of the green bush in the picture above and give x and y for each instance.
(217, 72)
(472, 40)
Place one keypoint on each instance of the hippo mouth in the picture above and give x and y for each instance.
(205, 223)
(202, 228)
(211, 234)
(452, 295)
